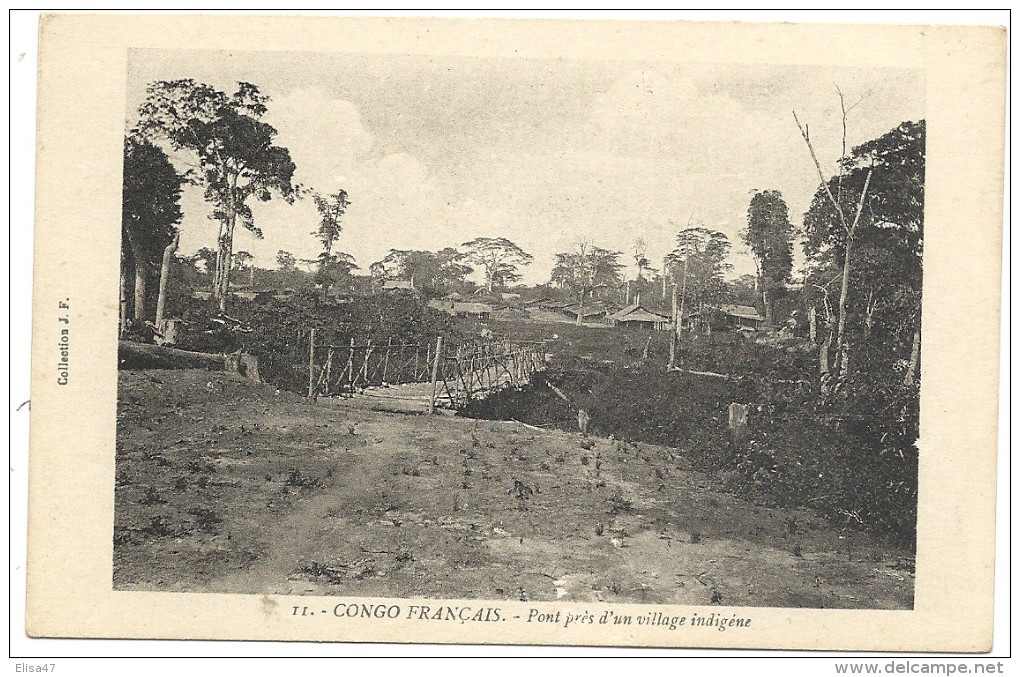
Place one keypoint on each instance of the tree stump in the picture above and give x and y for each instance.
(738, 421)
(583, 420)
(250, 367)
(166, 335)
(243, 364)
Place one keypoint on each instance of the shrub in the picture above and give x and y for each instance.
(277, 332)
(852, 457)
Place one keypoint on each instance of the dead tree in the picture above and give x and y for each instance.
(164, 276)
(848, 225)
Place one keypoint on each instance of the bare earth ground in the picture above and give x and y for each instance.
(228, 486)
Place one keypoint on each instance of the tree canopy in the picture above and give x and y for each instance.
(885, 280)
(285, 260)
(151, 212)
(236, 157)
(699, 263)
(499, 258)
(433, 273)
(587, 269)
(242, 260)
(895, 198)
(769, 234)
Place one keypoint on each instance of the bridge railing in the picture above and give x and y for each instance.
(472, 370)
(457, 372)
(345, 369)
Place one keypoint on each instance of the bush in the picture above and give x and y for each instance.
(277, 332)
(851, 457)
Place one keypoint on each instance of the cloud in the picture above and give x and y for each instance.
(434, 152)
(325, 135)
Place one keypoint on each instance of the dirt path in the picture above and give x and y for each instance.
(337, 499)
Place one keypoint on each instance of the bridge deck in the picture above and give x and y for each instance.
(412, 398)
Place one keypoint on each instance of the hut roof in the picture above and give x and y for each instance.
(472, 308)
(455, 307)
(638, 313)
(597, 308)
(746, 312)
(397, 284)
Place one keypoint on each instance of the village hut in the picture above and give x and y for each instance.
(398, 285)
(639, 317)
(462, 309)
(726, 316)
(591, 312)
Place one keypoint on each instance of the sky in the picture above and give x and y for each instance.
(435, 151)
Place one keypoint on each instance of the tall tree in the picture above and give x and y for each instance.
(769, 234)
(586, 270)
(331, 210)
(643, 264)
(886, 176)
(432, 273)
(286, 261)
(699, 264)
(848, 218)
(151, 212)
(499, 258)
(236, 158)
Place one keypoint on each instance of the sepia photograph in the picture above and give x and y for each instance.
(403, 326)
(526, 332)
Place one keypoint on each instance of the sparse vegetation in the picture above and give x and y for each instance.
(829, 379)
(854, 463)
(400, 517)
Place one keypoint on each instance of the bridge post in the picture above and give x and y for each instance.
(350, 367)
(311, 363)
(435, 373)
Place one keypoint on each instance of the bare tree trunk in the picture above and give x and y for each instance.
(672, 351)
(141, 275)
(674, 330)
(766, 306)
(580, 310)
(123, 293)
(812, 316)
(226, 248)
(869, 314)
(683, 297)
(164, 277)
(824, 372)
(915, 356)
(226, 252)
(218, 270)
(842, 349)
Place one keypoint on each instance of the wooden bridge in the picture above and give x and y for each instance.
(410, 377)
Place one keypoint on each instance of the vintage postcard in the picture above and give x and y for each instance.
(498, 331)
